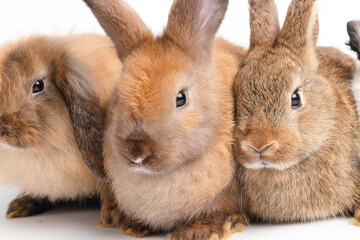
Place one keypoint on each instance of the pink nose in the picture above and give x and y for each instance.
(263, 149)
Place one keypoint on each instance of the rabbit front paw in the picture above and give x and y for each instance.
(356, 219)
(113, 217)
(215, 227)
(24, 206)
(134, 229)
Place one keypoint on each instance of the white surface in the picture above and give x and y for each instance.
(81, 224)
(24, 17)
(58, 224)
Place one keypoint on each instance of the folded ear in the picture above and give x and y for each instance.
(193, 24)
(85, 113)
(264, 23)
(300, 30)
(353, 29)
(121, 23)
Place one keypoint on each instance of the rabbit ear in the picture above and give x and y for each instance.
(301, 28)
(192, 25)
(264, 23)
(121, 23)
(85, 114)
(353, 29)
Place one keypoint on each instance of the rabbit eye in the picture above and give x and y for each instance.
(38, 86)
(181, 99)
(296, 100)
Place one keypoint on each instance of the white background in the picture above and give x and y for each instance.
(20, 18)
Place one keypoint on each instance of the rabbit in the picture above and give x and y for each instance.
(296, 134)
(54, 92)
(167, 142)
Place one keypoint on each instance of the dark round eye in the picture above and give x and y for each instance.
(296, 100)
(38, 86)
(180, 99)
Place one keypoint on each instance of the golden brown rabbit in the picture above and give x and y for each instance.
(168, 141)
(296, 133)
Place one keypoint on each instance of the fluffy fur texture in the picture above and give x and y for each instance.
(299, 162)
(39, 151)
(355, 87)
(168, 165)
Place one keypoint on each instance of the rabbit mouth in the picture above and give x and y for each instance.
(142, 169)
(260, 163)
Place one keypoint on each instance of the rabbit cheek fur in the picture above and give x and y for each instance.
(191, 162)
(38, 151)
(299, 162)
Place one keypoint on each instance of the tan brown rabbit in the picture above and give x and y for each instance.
(53, 95)
(168, 140)
(296, 134)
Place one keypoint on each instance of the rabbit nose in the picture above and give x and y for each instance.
(258, 150)
(263, 149)
(141, 160)
(138, 150)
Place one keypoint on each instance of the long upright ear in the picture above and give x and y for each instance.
(85, 113)
(300, 30)
(264, 23)
(193, 24)
(121, 23)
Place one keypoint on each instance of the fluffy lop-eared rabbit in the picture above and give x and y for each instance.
(167, 145)
(53, 95)
(296, 134)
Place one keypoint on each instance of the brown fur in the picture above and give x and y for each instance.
(311, 167)
(264, 26)
(112, 217)
(24, 206)
(41, 135)
(188, 168)
(217, 226)
(131, 31)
